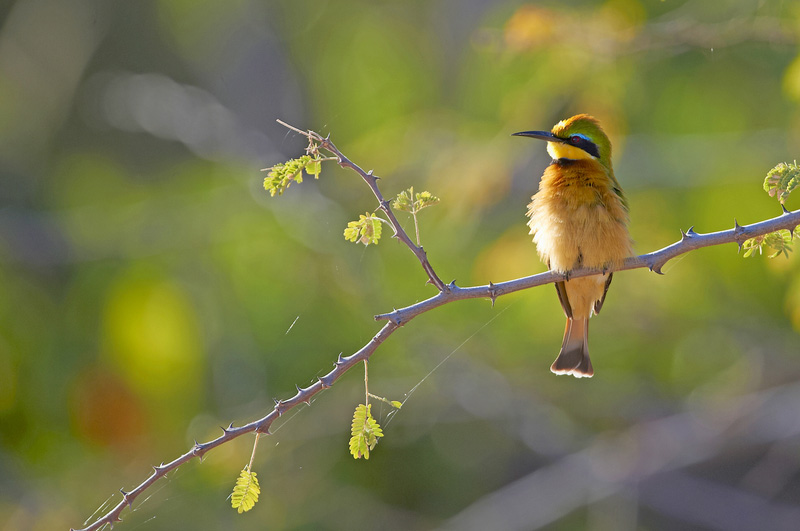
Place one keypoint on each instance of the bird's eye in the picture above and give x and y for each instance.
(575, 139)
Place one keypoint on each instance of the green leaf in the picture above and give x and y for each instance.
(314, 168)
(366, 230)
(364, 433)
(781, 180)
(777, 243)
(404, 201)
(408, 201)
(394, 403)
(281, 176)
(425, 199)
(245, 493)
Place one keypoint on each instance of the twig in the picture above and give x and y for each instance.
(366, 383)
(384, 205)
(253, 454)
(416, 224)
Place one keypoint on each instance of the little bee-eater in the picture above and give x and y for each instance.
(579, 219)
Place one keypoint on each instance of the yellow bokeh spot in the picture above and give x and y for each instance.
(791, 79)
(529, 27)
(621, 20)
(479, 172)
(511, 256)
(151, 333)
(793, 302)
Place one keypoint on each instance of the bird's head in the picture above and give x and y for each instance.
(579, 137)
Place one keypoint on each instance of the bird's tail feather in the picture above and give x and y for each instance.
(574, 356)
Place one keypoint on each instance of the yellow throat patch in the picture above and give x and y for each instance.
(558, 150)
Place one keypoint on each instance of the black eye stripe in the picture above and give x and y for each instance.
(587, 145)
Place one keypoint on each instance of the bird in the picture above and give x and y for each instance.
(579, 219)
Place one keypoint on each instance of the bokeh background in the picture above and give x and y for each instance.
(152, 291)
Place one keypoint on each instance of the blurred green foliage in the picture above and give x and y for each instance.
(151, 290)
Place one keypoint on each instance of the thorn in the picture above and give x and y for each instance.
(277, 402)
(299, 391)
(340, 360)
(784, 209)
(230, 427)
(198, 451)
(323, 382)
(452, 284)
(691, 232)
(736, 227)
(125, 498)
(492, 293)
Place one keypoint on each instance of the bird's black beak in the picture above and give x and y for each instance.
(541, 135)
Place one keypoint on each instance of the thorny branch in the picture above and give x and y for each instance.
(655, 261)
(262, 425)
(372, 181)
